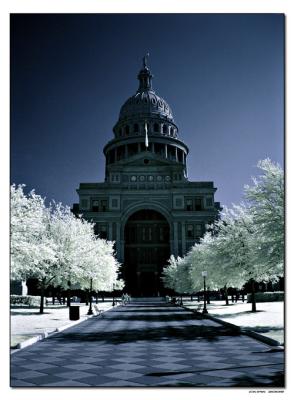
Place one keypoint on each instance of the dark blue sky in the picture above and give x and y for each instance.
(222, 75)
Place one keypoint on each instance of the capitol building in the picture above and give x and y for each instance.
(146, 204)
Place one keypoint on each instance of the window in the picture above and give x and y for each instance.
(156, 127)
(102, 232)
(178, 202)
(190, 231)
(103, 205)
(198, 230)
(136, 128)
(209, 201)
(198, 204)
(180, 156)
(95, 205)
(127, 129)
(189, 204)
(164, 129)
(171, 131)
(114, 203)
(99, 205)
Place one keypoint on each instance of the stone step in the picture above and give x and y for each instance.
(147, 299)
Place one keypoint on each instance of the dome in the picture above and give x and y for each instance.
(146, 102)
(145, 107)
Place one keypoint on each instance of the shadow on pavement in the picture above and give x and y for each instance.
(233, 315)
(183, 333)
(275, 380)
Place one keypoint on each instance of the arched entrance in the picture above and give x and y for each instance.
(147, 249)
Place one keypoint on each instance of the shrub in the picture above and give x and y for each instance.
(262, 297)
(31, 301)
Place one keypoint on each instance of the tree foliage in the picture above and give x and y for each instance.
(56, 247)
(246, 243)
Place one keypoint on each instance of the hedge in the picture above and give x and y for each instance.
(31, 301)
(261, 297)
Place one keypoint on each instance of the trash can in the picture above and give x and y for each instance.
(74, 313)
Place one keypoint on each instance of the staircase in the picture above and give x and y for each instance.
(147, 299)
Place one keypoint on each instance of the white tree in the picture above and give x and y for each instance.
(169, 273)
(176, 276)
(75, 247)
(266, 206)
(57, 248)
(99, 268)
(32, 248)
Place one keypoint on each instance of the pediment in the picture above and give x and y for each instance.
(145, 158)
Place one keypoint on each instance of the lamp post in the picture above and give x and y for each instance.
(113, 302)
(204, 274)
(181, 301)
(90, 311)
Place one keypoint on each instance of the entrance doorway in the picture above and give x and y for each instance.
(147, 250)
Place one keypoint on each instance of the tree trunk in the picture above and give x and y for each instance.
(42, 297)
(253, 301)
(226, 295)
(87, 298)
(68, 294)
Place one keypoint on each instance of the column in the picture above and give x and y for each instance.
(115, 154)
(109, 230)
(152, 147)
(183, 238)
(118, 243)
(177, 155)
(165, 151)
(176, 244)
(126, 151)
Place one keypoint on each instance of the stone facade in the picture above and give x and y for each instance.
(146, 204)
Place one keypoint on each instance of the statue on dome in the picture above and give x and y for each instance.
(145, 60)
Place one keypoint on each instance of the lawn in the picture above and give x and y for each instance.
(268, 320)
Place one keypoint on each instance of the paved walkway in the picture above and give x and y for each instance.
(148, 344)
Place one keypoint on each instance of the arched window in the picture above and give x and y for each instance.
(136, 128)
(164, 129)
(156, 127)
(120, 132)
(127, 129)
(171, 131)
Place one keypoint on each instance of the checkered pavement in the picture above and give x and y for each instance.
(148, 344)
